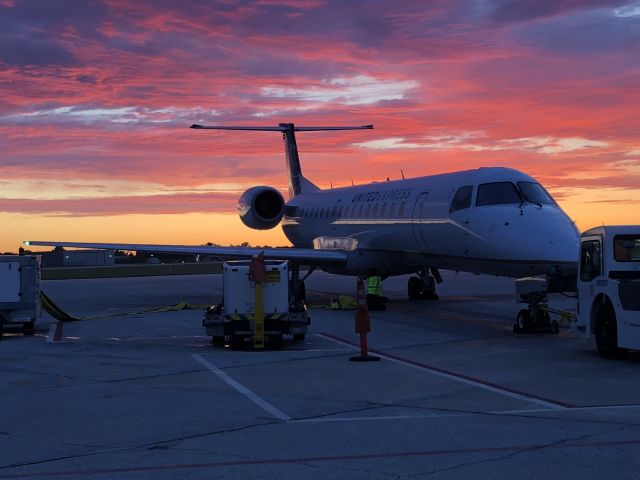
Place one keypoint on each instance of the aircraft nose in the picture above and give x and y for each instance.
(551, 236)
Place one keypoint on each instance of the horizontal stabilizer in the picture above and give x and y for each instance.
(281, 128)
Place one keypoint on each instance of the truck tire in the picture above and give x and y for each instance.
(606, 329)
(275, 342)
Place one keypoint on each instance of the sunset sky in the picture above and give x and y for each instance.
(97, 97)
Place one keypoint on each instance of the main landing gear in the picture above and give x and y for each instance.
(297, 288)
(424, 286)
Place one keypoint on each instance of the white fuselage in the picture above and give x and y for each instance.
(406, 225)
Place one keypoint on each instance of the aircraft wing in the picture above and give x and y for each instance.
(304, 256)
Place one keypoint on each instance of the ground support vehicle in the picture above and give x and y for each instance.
(536, 318)
(609, 288)
(19, 292)
(237, 330)
(256, 315)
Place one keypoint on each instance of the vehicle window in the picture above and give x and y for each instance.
(401, 210)
(360, 210)
(462, 198)
(535, 193)
(374, 212)
(590, 260)
(383, 211)
(392, 210)
(626, 248)
(498, 193)
(368, 211)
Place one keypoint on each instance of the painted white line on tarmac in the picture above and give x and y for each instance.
(456, 378)
(255, 398)
(572, 409)
(366, 419)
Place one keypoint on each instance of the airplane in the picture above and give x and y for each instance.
(490, 220)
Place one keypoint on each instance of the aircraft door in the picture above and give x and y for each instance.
(417, 216)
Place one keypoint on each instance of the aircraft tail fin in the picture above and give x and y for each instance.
(297, 183)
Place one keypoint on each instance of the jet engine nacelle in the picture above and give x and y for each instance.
(261, 208)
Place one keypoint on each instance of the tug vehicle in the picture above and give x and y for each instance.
(609, 288)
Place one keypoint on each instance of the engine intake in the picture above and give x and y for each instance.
(261, 207)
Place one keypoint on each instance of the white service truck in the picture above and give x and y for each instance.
(609, 288)
(234, 321)
(19, 292)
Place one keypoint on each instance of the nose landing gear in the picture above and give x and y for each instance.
(424, 286)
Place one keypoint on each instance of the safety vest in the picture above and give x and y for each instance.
(374, 286)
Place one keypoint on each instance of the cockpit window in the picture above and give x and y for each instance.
(498, 193)
(462, 199)
(535, 193)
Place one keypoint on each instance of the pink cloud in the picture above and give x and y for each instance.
(110, 95)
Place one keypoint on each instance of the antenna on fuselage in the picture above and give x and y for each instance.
(402, 173)
(352, 184)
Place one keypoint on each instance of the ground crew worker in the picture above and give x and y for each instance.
(375, 299)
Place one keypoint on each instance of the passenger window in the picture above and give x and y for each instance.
(360, 210)
(374, 212)
(590, 261)
(368, 211)
(462, 198)
(392, 210)
(498, 193)
(401, 210)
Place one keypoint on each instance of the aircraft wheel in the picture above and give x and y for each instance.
(275, 342)
(607, 333)
(217, 340)
(299, 337)
(430, 292)
(236, 342)
(414, 288)
(524, 322)
(543, 318)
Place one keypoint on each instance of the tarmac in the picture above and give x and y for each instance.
(455, 395)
